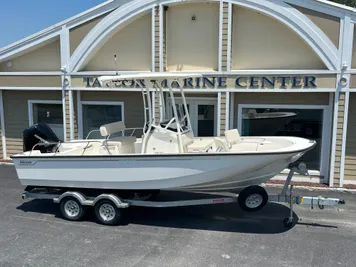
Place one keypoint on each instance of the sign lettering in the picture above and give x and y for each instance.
(240, 82)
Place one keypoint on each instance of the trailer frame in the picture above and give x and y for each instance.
(286, 196)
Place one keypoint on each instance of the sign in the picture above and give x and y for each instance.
(242, 82)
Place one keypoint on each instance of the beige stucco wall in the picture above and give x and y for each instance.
(132, 45)
(77, 34)
(330, 25)
(350, 159)
(192, 44)
(31, 81)
(261, 42)
(16, 114)
(43, 58)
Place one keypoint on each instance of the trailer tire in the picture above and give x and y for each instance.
(107, 213)
(71, 209)
(253, 198)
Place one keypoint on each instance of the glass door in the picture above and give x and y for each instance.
(202, 113)
(206, 120)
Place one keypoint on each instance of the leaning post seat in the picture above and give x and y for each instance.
(232, 136)
(122, 144)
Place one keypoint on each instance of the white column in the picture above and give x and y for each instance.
(229, 36)
(80, 115)
(218, 115)
(161, 10)
(65, 56)
(232, 109)
(153, 36)
(227, 112)
(221, 9)
(347, 45)
(2, 119)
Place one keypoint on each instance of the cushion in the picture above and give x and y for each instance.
(115, 127)
(233, 136)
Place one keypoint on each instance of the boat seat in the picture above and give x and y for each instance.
(232, 136)
(200, 145)
(122, 144)
(111, 128)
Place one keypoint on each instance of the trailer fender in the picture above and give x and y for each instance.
(76, 195)
(115, 199)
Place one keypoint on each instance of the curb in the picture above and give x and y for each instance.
(7, 163)
(314, 188)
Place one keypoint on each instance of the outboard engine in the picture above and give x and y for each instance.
(39, 133)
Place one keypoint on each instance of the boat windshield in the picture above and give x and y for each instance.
(182, 120)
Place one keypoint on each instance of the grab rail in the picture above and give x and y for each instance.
(108, 137)
(71, 142)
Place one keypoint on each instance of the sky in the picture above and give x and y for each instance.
(21, 18)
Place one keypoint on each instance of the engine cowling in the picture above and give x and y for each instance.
(39, 133)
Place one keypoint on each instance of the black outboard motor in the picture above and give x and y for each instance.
(39, 133)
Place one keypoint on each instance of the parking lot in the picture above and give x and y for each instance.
(33, 234)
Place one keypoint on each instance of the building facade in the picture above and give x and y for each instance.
(278, 67)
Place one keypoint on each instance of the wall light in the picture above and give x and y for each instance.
(193, 17)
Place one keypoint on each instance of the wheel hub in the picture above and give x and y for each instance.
(107, 212)
(71, 208)
(253, 201)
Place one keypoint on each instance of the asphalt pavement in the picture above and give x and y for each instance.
(32, 233)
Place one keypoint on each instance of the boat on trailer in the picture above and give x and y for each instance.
(167, 156)
(114, 173)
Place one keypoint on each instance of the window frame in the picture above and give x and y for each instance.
(96, 103)
(32, 102)
(326, 132)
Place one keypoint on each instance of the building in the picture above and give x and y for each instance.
(291, 60)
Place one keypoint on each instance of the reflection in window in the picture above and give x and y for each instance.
(95, 116)
(305, 123)
(52, 114)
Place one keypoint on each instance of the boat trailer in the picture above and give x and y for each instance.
(109, 207)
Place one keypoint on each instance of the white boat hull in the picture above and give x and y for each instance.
(198, 172)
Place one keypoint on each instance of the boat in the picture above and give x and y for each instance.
(166, 157)
(267, 122)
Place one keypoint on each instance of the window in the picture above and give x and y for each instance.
(95, 114)
(50, 112)
(299, 121)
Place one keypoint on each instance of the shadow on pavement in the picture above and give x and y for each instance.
(220, 217)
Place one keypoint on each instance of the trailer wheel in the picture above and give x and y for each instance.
(107, 213)
(253, 198)
(71, 209)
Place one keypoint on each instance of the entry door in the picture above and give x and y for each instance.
(202, 115)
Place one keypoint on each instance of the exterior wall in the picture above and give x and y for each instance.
(193, 44)
(222, 113)
(328, 24)
(225, 37)
(279, 98)
(338, 147)
(77, 34)
(132, 45)
(31, 81)
(17, 117)
(43, 58)
(350, 159)
(261, 42)
(132, 104)
(157, 39)
(75, 115)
